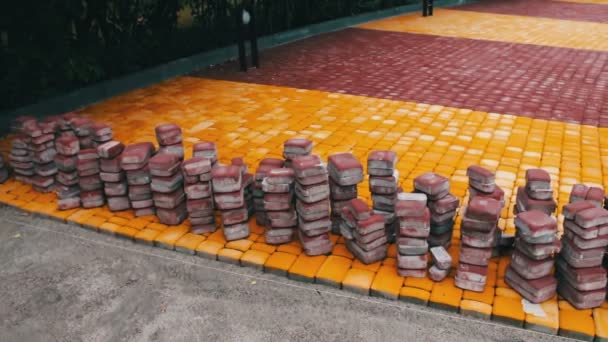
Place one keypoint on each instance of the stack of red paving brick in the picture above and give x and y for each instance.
(199, 196)
(100, 133)
(367, 240)
(114, 179)
(91, 186)
(482, 183)
(169, 137)
(414, 228)
(442, 263)
(68, 190)
(3, 170)
(312, 203)
(205, 149)
(229, 196)
(296, 147)
(167, 188)
(82, 128)
(134, 161)
(345, 172)
(281, 217)
(248, 183)
(22, 158)
(42, 144)
(594, 194)
(383, 180)
(442, 205)
(531, 267)
(478, 236)
(582, 279)
(265, 166)
(537, 194)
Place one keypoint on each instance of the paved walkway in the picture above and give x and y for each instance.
(509, 88)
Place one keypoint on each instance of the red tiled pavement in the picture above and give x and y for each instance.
(530, 80)
(542, 8)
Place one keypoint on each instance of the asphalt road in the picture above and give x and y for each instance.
(61, 282)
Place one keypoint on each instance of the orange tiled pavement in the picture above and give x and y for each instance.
(253, 121)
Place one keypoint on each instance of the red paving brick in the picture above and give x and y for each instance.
(528, 80)
(543, 9)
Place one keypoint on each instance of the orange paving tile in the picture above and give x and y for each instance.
(126, 232)
(241, 245)
(475, 309)
(146, 236)
(333, 271)
(167, 238)
(508, 310)
(358, 280)
(387, 283)
(576, 324)
(414, 295)
(209, 249)
(188, 243)
(258, 246)
(445, 295)
(600, 318)
(254, 258)
(306, 267)
(229, 255)
(279, 262)
(501, 27)
(548, 324)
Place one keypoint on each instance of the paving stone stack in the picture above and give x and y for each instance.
(531, 267)
(265, 166)
(477, 239)
(4, 174)
(537, 194)
(367, 239)
(482, 183)
(21, 158)
(100, 133)
(167, 185)
(115, 185)
(42, 145)
(279, 205)
(205, 149)
(442, 263)
(89, 180)
(383, 180)
(169, 137)
(414, 229)
(67, 179)
(312, 202)
(442, 205)
(296, 147)
(199, 194)
(134, 161)
(345, 172)
(83, 128)
(582, 279)
(229, 196)
(581, 192)
(248, 180)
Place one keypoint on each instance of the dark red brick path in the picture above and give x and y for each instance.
(534, 81)
(542, 8)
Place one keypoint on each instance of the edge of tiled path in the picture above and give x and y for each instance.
(106, 89)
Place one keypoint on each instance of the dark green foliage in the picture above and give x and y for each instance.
(54, 46)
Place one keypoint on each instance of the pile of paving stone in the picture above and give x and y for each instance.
(582, 279)
(279, 205)
(594, 194)
(205, 149)
(4, 174)
(442, 205)
(167, 185)
(537, 194)
(199, 194)
(91, 186)
(229, 196)
(296, 147)
(478, 237)
(530, 272)
(383, 179)
(169, 137)
(114, 178)
(82, 127)
(134, 161)
(264, 167)
(345, 172)
(42, 144)
(442, 263)
(21, 158)
(248, 181)
(101, 133)
(312, 202)
(67, 179)
(364, 232)
(414, 229)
